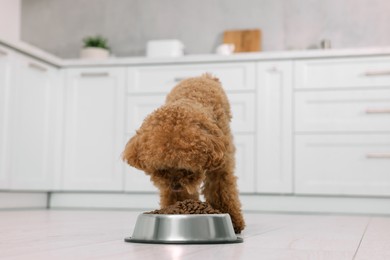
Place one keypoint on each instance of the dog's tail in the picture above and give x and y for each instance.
(211, 76)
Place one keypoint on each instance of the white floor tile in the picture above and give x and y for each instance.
(60, 234)
(376, 241)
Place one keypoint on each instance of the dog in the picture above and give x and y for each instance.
(187, 142)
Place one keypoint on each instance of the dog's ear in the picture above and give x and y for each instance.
(131, 155)
(208, 75)
(217, 144)
(217, 152)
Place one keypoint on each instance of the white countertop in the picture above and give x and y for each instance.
(254, 56)
(32, 51)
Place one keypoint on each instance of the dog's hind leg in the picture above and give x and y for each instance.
(220, 190)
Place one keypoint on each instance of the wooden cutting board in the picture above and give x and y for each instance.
(244, 40)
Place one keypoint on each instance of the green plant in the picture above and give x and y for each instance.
(96, 41)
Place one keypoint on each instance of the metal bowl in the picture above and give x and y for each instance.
(184, 229)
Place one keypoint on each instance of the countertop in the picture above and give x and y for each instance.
(201, 58)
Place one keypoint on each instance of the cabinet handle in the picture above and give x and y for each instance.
(377, 73)
(178, 79)
(37, 67)
(378, 111)
(95, 74)
(3, 53)
(378, 156)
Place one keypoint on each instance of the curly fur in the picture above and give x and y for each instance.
(187, 142)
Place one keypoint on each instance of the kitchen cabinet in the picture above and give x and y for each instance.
(311, 123)
(94, 123)
(6, 68)
(148, 86)
(33, 117)
(342, 129)
(274, 123)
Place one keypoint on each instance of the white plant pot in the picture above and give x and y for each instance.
(94, 53)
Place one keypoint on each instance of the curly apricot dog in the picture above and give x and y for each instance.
(188, 141)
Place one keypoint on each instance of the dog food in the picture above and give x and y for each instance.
(187, 207)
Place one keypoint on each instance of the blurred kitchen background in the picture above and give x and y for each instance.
(310, 125)
(58, 26)
(310, 98)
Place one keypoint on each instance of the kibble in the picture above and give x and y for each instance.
(189, 206)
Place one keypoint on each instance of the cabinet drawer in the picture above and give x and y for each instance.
(342, 164)
(161, 79)
(242, 106)
(355, 110)
(343, 73)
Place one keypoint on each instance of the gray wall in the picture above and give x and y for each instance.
(58, 26)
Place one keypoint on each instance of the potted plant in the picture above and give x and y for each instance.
(95, 47)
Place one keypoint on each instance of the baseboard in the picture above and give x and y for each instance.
(104, 200)
(317, 204)
(270, 203)
(23, 200)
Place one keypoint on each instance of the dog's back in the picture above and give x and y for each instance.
(208, 92)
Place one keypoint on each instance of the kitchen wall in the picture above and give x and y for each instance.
(10, 19)
(58, 26)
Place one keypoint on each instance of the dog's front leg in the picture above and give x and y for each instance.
(169, 197)
(220, 191)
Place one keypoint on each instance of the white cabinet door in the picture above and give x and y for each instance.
(94, 123)
(138, 107)
(274, 126)
(32, 126)
(243, 112)
(245, 162)
(6, 64)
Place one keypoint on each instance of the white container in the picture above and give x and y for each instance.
(225, 49)
(94, 53)
(164, 48)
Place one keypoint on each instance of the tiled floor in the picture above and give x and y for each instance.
(60, 234)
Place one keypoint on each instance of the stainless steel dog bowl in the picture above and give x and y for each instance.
(184, 229)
